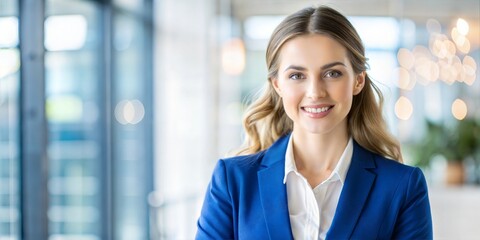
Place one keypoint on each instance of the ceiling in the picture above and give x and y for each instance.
(445, 11)
(416, 10)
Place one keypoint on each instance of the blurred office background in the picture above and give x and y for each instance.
(114, 112)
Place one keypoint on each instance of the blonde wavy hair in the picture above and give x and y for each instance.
(265, 119)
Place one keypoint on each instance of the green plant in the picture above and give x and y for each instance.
(430, 145)
(455, 142)
(462, 140)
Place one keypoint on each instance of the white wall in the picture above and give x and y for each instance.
(184, 133)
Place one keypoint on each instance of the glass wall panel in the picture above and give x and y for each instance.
(9, 121)
(131, 140)
(131, 5)
(74, 98)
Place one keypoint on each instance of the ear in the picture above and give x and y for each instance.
(359, 83)
(276, 86)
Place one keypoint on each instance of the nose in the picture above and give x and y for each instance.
(316, 89)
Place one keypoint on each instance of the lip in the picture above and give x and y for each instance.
(318, 105)
(317, 114)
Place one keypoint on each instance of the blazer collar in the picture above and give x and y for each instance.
(354, 194)
(273, 193)
(276, 153)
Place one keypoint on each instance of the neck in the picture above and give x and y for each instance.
(319, 152)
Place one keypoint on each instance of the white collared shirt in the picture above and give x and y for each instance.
(311, 210)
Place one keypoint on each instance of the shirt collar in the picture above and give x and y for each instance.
(289, 160)
(344, 162)
(341, 168)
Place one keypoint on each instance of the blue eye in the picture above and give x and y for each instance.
(295, 76)
(333, 74)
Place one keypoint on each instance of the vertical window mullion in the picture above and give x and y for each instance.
(34, 164)
(107, 179)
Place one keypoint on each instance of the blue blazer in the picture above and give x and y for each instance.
(381, 199)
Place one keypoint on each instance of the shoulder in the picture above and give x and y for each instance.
(399, 177)
(246, 167)
(398, 198)
(238, 167)
(241, 164)
(394, 169)
(379, 164)
(232, 175)
(389, 172)
(391, 165)
(395, 182)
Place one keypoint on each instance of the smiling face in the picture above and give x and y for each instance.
(317, 83)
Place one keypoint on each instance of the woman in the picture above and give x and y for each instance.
(319, 161)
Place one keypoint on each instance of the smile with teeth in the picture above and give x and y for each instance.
(316, 110)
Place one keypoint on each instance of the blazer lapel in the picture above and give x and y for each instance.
(355, 192)
(273, 193)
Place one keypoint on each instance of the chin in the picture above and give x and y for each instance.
(323, 128)
(317, 130)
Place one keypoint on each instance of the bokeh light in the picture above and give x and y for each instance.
(459, 109)
(440, 61)
(448, 73)
(458, 38)
(465, 47)
(233, 57)
(403, 108)
(470, 79)
(427, 69)
(469, 61)
(405, 58)
(462, 26)
(129, 112)
(469, 69)
(404, 80)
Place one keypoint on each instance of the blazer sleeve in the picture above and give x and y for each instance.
(215, 220)
(414, 220)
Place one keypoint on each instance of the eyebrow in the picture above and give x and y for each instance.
(300, 68)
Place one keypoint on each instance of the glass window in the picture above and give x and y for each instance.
(74, 97)
(98, 101)
(9, 121)
(131, 142)
(130, 5)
